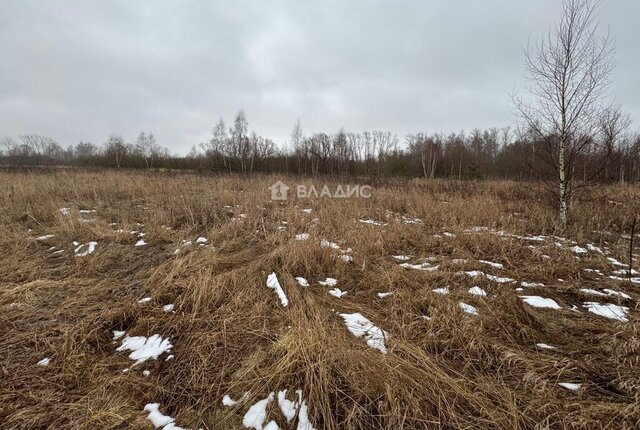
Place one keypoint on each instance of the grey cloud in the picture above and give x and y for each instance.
(80, 70)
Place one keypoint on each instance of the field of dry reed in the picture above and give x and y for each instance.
(134, 300)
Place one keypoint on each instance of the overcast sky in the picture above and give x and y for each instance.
(82, 70)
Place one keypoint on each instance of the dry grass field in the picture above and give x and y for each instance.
(133, 300)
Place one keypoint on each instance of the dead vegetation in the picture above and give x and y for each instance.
(230, 335)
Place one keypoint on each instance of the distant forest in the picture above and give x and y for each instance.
(613, 154)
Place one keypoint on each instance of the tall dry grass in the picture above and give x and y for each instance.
(230, 335)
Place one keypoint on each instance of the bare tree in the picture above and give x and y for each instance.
(569, 74)
(298, 142)
(8, 144)
(115, 148)
(614, 124)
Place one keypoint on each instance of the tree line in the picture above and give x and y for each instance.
(505, 152)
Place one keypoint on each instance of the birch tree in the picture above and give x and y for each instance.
(569, 73)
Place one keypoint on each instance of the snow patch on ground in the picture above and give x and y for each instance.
(328, 282)
(531, 284)
(337, 292)
(421, 266)
(360, 326)
(302, 281)
(287, 406)
(302, 236)
(540, 302)
(545, 346)
(45, 237)
(608, 310)
(143, 348)
(273, 283)
(372, 222)
(158, 419)
(91, 247)
(498, 279)
(468, 308)
(477, 291)
(401, 257)
(441, 290)
(327, 244)
(44, 362)
(570, 385)
(141, 242)
(578, 250)
(492, 264)
(257, 413)
(228, 401)
(384, 295)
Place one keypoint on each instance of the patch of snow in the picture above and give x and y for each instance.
(540, 302)
(257, 413)
(143, 348)
(578, 250)
(201, 240)
(273, 283)
(158, 419)
(421, 266)
(447, 234)
(146, 373)
(346, 258)
(442, 290)
(384, 295)
(360, 326)
(617, 293)
(44, 362)
(593, 248)
(608, 310)
(117, 334)
(372, 222)
(328, 282)
(272, 425)
(477, 291)
(168, 308)
(615, 262)
(91, 247)
(570, 385)
(65, 211)
(307, 210)
(545, 346)
(531, 284)
(302, 281)
(144, 300)
(468, 308)
(336, 292)
(401, 257)
(141, 242)
(303, 417)
(327, 244)
(302, 236)
(288, 407)
(492, 264)
(228, 401)
(45, 237)
(499, 279)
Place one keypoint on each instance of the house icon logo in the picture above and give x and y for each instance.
(279, 191)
